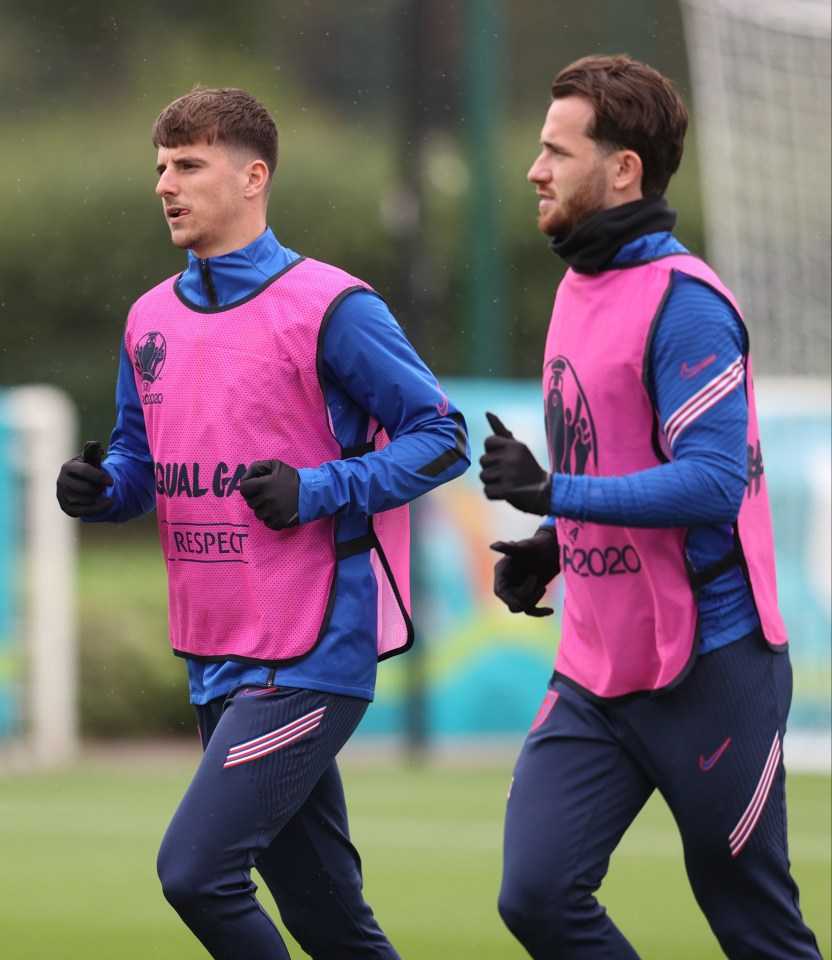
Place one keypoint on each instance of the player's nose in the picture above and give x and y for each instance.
(166, 185)
(538, 172)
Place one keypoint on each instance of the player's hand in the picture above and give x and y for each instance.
(510, 472)
(81, 481)
(528, 567)
(271, 488)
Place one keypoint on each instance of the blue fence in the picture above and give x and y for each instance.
(478, 670)
(10, 643)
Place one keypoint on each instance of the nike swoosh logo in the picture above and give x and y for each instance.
(257, 691)
(689, 372)
(706, 765)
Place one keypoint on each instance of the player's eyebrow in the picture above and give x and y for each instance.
(178, 162)
(553, 146)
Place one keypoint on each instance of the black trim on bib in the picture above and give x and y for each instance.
(351, 548)
(319, 350)
(357, 450)
(717, 569)
(391, 580)
(237, 303)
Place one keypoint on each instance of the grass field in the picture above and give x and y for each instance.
(78, 848)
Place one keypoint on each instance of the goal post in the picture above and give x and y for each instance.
(38, 662)
(760, 85)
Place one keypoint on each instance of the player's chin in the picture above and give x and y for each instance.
(180, 239)
(547, 226)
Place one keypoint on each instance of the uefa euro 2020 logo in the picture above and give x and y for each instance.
(569, 424)
(148, 359)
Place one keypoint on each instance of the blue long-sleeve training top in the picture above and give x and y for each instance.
(370, 369)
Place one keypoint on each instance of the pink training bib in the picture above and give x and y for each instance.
(630, 615)
(224, 387)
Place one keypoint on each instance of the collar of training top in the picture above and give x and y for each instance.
(591, 248)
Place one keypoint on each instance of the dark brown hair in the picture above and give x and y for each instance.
(225, 115)
(636, 108)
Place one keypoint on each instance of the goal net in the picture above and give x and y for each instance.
(760, 83)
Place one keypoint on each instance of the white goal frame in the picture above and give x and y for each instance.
(43, 426)
(761, 73)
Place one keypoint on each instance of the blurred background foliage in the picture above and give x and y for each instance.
(81, 83)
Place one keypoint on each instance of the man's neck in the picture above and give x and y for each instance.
(239, 242)
(592, 247)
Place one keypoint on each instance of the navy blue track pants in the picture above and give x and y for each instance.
(268, 795)
(713, 748)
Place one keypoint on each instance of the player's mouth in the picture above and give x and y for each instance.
(176, 213)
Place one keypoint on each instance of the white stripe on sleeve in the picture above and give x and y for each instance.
(703, 400)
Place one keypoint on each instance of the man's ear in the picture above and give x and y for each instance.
(628, 171)
(257, 177)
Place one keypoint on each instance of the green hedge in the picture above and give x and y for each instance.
(130, 683)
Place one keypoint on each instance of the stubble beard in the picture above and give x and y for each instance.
(190, 240)
(183, 239)
(584, 203)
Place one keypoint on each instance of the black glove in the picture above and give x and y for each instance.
(270, 488)
(81, 482)
(510, 472)
(528, 567)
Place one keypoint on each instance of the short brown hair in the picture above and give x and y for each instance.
(636, 108)
(226, 115)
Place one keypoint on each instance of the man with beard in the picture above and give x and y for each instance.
(272, 411)
(672, 672)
